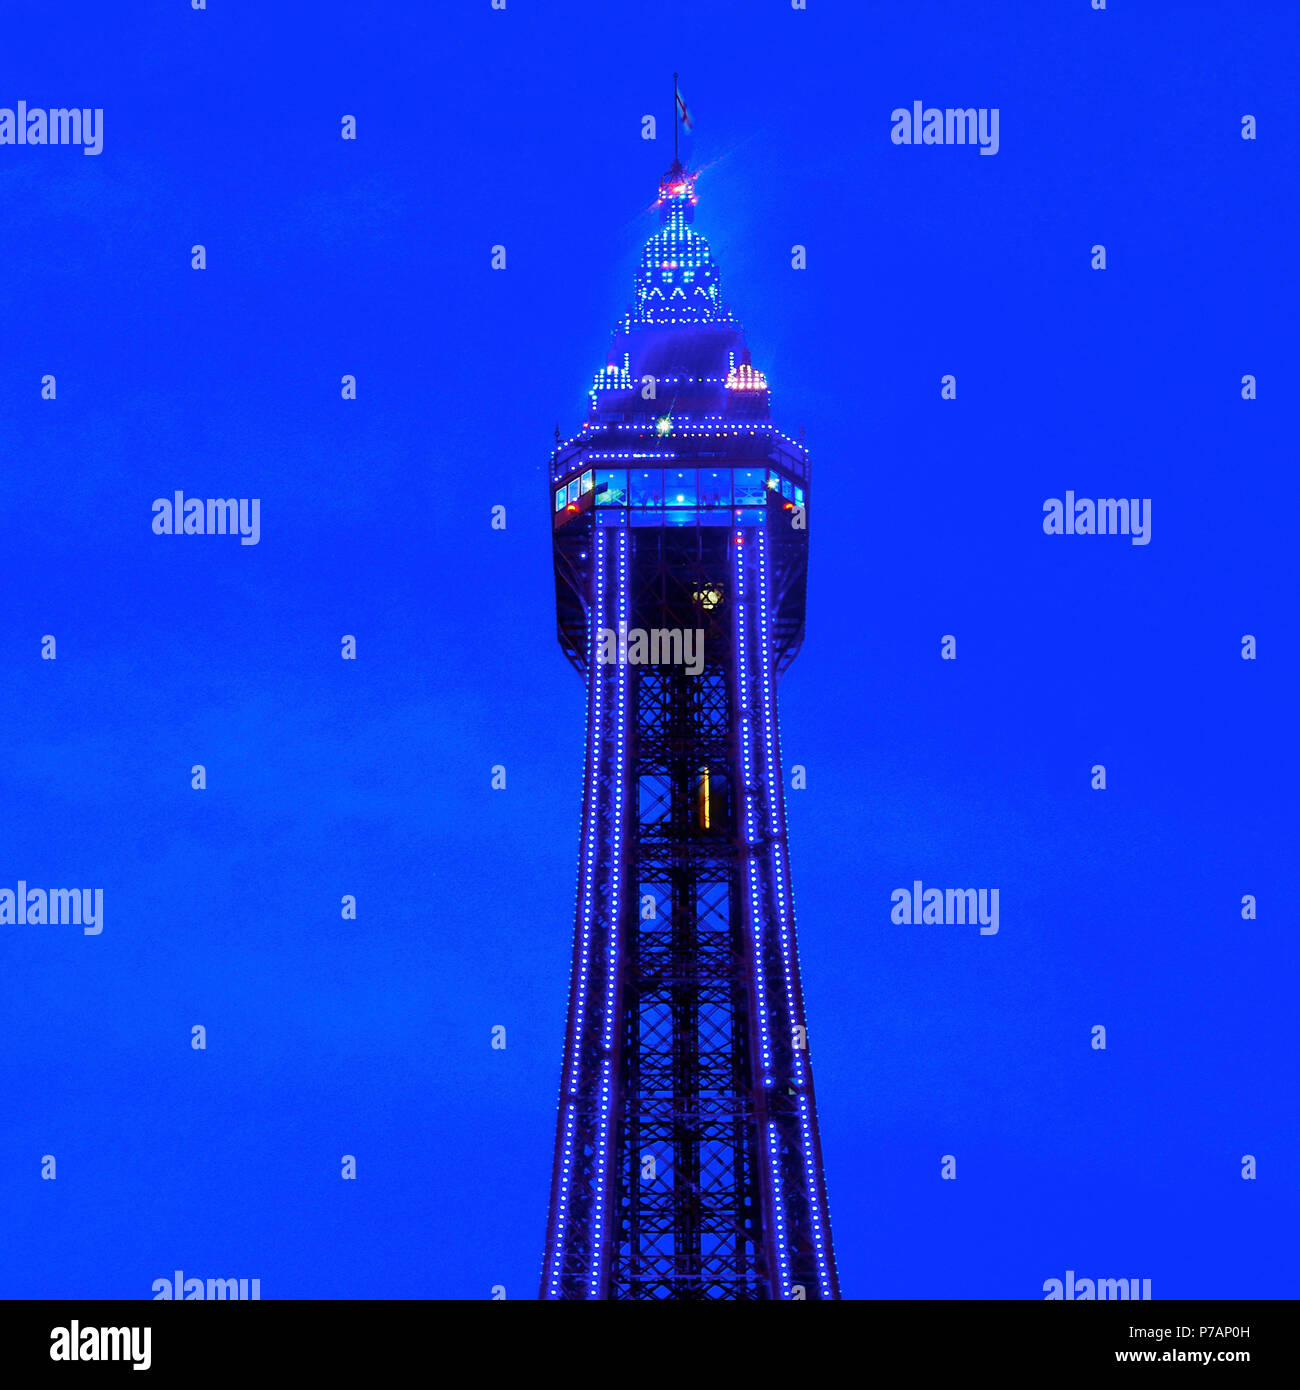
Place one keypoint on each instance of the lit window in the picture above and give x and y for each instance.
(647, 487)
(750, 487)
(680, 487)
(611, 487)
(715, 487)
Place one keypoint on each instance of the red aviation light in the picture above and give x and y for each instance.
(682, 187)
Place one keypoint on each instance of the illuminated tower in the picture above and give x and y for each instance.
(687, 1160)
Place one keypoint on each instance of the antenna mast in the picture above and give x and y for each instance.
(674, 118)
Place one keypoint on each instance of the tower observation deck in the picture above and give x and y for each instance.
(687, 1158)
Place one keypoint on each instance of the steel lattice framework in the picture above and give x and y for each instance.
(687, 1162)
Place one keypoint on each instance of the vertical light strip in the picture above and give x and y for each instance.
(595, 678)
(814, 1198)
(562, 1204)
(753, 872)
(616, 825)
(782, 1255)
(780, 879)
(586, 888)
(598, 1205)
(605, 1118)
(774, 795)
(752, 875)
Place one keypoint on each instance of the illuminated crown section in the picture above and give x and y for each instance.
(680, 335)
(677, 280)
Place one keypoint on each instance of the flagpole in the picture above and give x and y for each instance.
(674, 118)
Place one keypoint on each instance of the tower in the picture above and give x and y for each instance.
(687, 1159)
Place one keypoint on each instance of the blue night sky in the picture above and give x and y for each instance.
(222, 907)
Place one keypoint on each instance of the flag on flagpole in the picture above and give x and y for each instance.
(683, 112)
